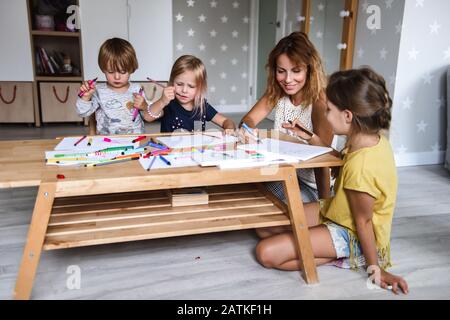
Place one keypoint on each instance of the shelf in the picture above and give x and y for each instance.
(55, 33)
(59, 78)
(91, 220)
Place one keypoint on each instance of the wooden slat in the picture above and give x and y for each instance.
(78, 217)
(168, 230)
(155, 220)
(148, 203)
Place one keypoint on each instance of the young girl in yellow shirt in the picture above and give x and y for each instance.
(353, 228)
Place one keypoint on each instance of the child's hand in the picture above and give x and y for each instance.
(293, 127)
(88, 91)
(245, 137)
(229, 132)
(388, 279)
(168, 95)
(139, 102)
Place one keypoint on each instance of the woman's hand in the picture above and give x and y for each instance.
(247, 138)
(229, 132)
(295, 127)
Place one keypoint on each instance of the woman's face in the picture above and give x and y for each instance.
(290, 76)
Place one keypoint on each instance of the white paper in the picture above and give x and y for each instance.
(299, 151)
(97, 143)
(176, 161)
(197, 140)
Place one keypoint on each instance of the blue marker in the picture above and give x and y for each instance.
(155, 145)
(250, 131)
(165, 160)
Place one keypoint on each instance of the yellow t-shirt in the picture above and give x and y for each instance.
(371, 170)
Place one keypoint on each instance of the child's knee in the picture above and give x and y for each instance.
(264, 255)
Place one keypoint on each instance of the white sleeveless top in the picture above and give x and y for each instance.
(285, 111)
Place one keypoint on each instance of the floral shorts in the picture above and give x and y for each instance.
(341, 242)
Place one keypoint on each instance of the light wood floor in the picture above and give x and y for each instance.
(223, 265)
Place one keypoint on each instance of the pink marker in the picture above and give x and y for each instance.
(91, 82)
(136, 110)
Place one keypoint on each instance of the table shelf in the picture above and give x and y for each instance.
(101, 219)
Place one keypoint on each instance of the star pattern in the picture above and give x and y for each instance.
(217, 32)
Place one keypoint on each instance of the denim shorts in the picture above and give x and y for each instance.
(341, 242)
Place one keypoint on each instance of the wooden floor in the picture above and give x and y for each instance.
(223, 265)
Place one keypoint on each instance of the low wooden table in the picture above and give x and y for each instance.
(123, 202)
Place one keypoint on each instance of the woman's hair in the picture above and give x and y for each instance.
(299, 50)
(363, 92)
(194, 64)
(117, 54)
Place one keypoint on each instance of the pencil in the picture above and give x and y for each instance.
(155, 82)
(303, 129)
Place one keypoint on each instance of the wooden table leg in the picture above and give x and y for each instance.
(35, 241)
(300, 227)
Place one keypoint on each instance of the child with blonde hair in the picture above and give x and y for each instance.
(353, 228)
(183, 102)
(115, 101)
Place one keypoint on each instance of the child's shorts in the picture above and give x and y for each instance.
(341, 241)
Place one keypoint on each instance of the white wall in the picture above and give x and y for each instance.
(15, 54)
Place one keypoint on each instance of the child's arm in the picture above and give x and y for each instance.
(156, 109)
(227, 124)
(88, 103)
(361, 205)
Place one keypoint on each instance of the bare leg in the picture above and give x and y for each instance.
(312, 212)
(279, 251)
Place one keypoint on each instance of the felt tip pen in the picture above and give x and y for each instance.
(104, 163)
(303, 129)
(165, 160)
(91, 82)
(136, 110)
(116, 149)
(89, 142)
(138, 139)
(151, 164)
(157, 146)
(81, 139)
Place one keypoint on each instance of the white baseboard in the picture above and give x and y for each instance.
(419, 159)
(231, 108)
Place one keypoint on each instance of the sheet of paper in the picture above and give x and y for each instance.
(197, 140)
(176, 161)
(97, 143)
(286, 149)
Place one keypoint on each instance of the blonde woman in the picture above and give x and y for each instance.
(295, 90)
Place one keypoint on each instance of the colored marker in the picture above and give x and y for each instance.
(76, 143)
(90, 142)
(136, 110)
(157, 146)
(116, 149)
(91, 82)
(250, 131)
(165, 160)
(104, 163)
(303, 129)
(138, 139)
(151, 163)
